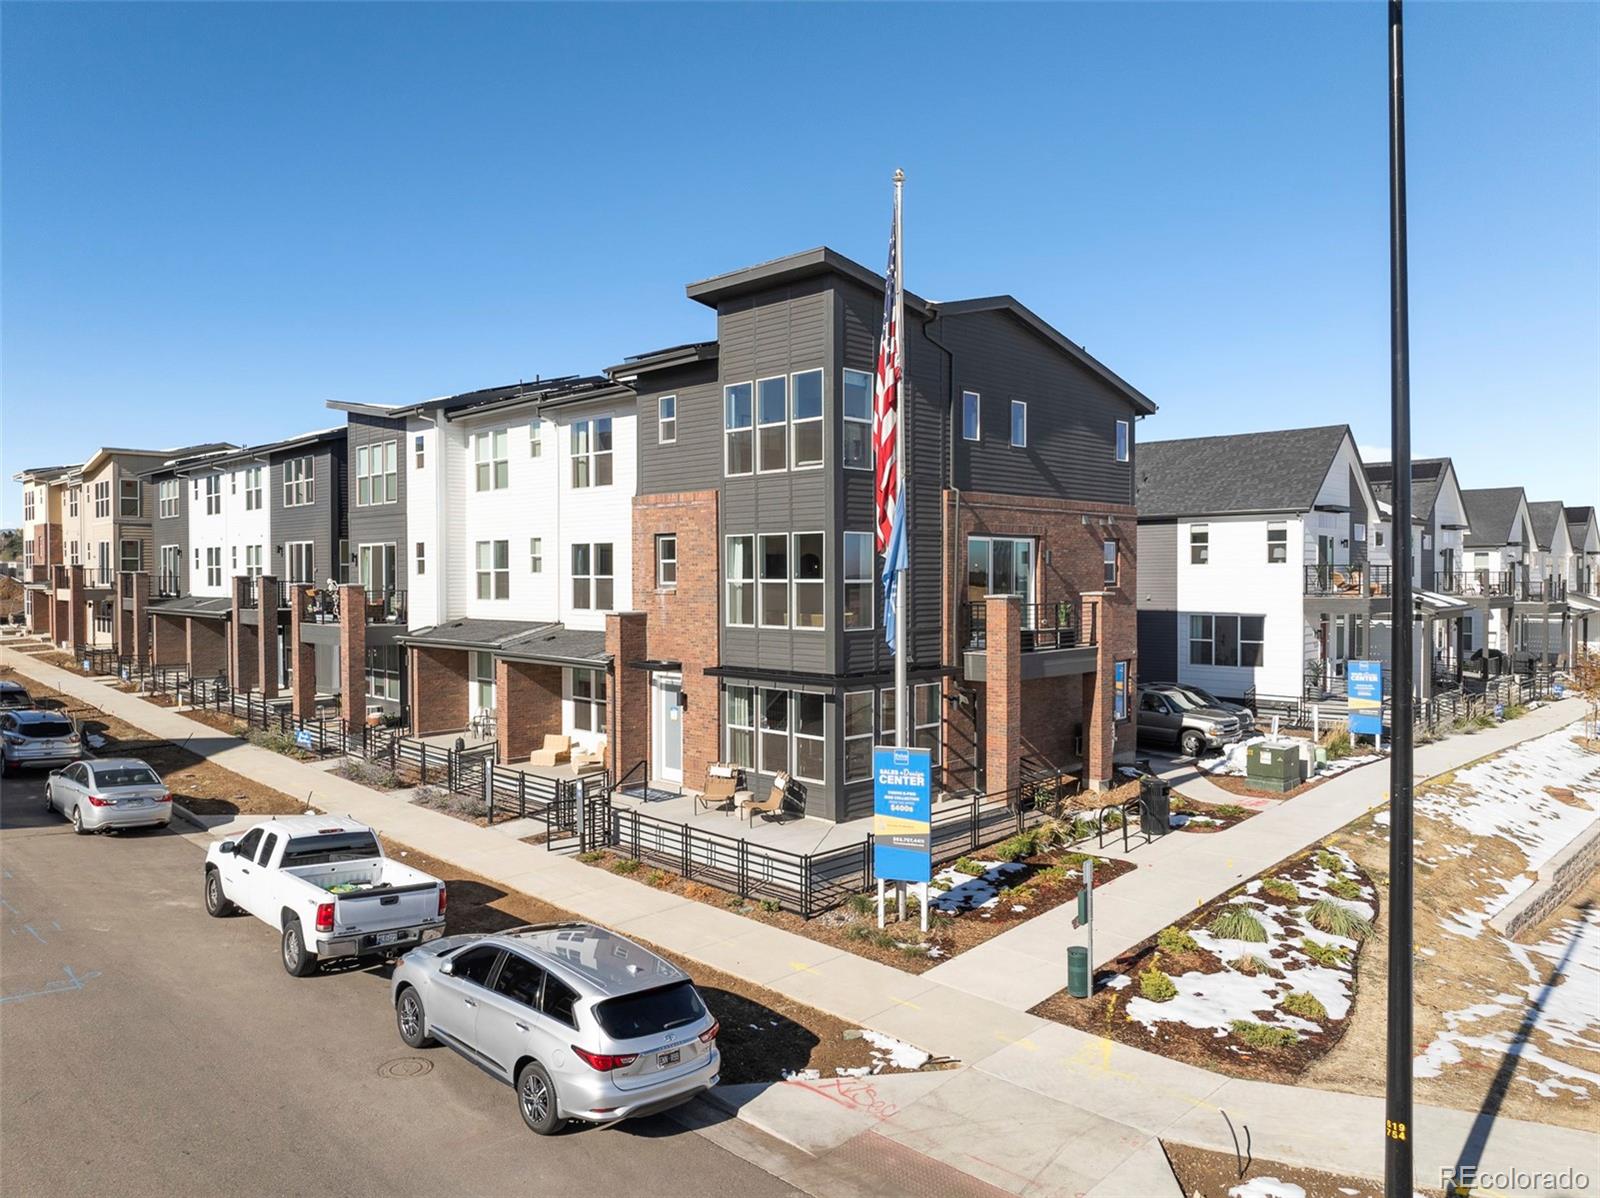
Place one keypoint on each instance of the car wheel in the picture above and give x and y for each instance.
(536, 1099)
(1192, 743)
(412, 1020)
(299, 962)
(49, 799)
(217, 904)
(77, 821)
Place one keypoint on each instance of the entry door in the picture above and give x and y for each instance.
(377, 568)
(669, 730)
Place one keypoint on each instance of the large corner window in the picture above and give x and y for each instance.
(738, 432)
(809, 589)
(772, 424)
(810, 755)
(807, 419)
(857, 420)
(858, 736)
(740, 572)
(925, 721)
(774, 565)
(858, 572)
(971, 416)
(491, 467)
(774, 731)
(591, 452)
(592, 578)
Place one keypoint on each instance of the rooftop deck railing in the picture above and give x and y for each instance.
(1060, 624)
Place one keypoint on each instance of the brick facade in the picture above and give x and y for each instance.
(682, 620)
(207, 647)
(169, 640)
(267, 650)
(628, 696)
(1002, 741)
(141, 616)
(77, 621)
(242, 644)
(353, 654)
(438, 682)
(303, 666)
(527, 706)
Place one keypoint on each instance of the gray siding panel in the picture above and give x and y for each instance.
(384, 523)
(1158, 566)
(1158, 645)
(694, 461)
(170, 530)
(319, 521)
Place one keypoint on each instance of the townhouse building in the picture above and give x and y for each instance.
(1544, 601)
(42, 509)
(1583, 578)
(1498, 549)
(1255, 566)
(756, 637)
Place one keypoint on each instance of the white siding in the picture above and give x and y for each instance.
(424, 511)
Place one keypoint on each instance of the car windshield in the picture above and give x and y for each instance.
(45, 729)
(330, 846)
(1183, 700)
(126, 775)
(16, 698)
(650, 1012)
(1203, 698)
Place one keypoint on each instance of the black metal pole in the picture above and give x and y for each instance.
(1397, 1125)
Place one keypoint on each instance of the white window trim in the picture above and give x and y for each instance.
(593, 576)
(846, 736)
(820, 420)
(977, 399)
(728, 431)
(796, 582)
(373, 464)
(535, 555)
(1109, 552)
(729, 727)
(486, 437)
(729, 581)
(592, 454)
(763, 582)
(306, 551)
(479, 573)
(254, 490)
(755, 417)
(849, 419)
(870, 582)
(663, 420)
(303, 485)
(1015, 404)
(796, 736)
(661, 583)
(1122, 446)
(1205, 530)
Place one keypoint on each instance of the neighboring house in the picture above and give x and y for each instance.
(1497, 550)
(1583, 577)
(1544, 603)
(1255, 563)
(759, 638)
(42, 550)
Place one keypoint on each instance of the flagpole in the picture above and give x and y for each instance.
(902, 705)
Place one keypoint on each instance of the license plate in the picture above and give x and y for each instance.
(663, 1059)
(386, 937)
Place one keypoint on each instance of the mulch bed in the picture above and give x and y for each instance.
(1103, 1014)
(1203, 1174)
(853, 926)
(1215, 817)
(1236, 785)
(764, 1035)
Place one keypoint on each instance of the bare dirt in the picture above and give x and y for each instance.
(1203, 1174)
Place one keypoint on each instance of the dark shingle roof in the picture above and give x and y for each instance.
(1545, 516)
(1491, 511)
(522, 640)
(1578, 516)
(1427, 477)
(1276, 471)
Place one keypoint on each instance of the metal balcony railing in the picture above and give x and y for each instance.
(1060, 624)
(1476, 583)
(168, 585)
(386, 605)
(1349, 579)
(1550, 590)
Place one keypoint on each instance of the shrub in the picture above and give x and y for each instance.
(1259, 1035)
(1329, 861)
(655, 877)
(1253, 963)
(1323, 954)
(1231, 811)
(966, 865)
(1281, 888)
(625, 866)
(858, 931)
(1513, 711)
(1234, 922)
(1344, 888)
(1175, 940)
(1305, 1005)
(1337, 742)
(771, 906)
(1157, 986)
(591, 857)
(375, 776)
(1015, 848)
(861, 904)
(1337, 920)
(435, 799)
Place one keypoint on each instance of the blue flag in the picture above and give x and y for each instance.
(894, 561)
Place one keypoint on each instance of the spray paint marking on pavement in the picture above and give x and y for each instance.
(74, 982)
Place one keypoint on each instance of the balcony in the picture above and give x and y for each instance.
(1476, 583)
(385, 605)
(1543, 590)
(1354, 581)
(168, 586)
(1057, 638)
(99, 576)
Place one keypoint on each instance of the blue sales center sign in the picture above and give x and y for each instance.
(902, 814)
(1364, 689)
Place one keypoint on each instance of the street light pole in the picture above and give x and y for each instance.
(1397, 1122)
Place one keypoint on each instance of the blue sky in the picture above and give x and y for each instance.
(218, 216)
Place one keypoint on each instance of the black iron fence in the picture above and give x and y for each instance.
(1350, 580)
(1061, 624)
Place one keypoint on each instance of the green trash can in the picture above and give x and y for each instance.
(1079, 975)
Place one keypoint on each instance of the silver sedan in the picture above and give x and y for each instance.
(119, 792)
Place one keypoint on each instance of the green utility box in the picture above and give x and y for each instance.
(1273, 766)
(1079, 973)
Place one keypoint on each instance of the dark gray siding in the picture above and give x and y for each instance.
(1072, 415)
(319, 521)
(694, 461)
(384, 523)
(171, 530)
(1158, 645)
(1358, 515)
(1158, 566)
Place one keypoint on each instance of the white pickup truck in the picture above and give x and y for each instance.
(325, 884)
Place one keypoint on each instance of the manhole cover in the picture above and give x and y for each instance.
(404, 1067)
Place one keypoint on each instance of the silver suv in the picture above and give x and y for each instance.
(584, 1023)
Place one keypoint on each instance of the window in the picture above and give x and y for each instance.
(171, 565)
(667, 419)
(591, 452)
(377, 472)
(667, 560)
(302, 561)
(740, 706)
(738, 435)
(233, 483)
(924, 716)
(167, 493)
(233, 559)
(1019, 423)
(520, 980)
(383, 671)
(422, 559)
(535, 555)
(27, 505)
(1119, 690)
(105, 557)
(213, 485)
(1122, 440)
(772, 424)
(971, 415)
(809, 591)
(128, 504)
(102, 500)
(592, 577)
(857, 736)
(857, 420)
(858, 563)
(72, 501)
(375, 568)
(1278, 543)
(589, 700)
(536, 438)
(492, 472)
(494, 569)
(774, 580)
(1108, 550)
(1200, 633)
(1378, 538)
(774, 731)
(1358, 532)
(131, 558)
(1199, 544)
(214, 566)
(299, 482)
(741, 582)
(1227, 640)
(558, 1001)
(481, 680)
(246, 848)
(807, 419)
(417, 444)
(809, 754)
(999, 566)
(475, 965)
(252, 560)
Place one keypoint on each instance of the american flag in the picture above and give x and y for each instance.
(890, 532)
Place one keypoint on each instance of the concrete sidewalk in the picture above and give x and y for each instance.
(1039, 1109)
(1181, 872)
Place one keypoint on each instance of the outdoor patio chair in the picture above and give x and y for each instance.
(723, 789)
(557, 749)
(771, 806)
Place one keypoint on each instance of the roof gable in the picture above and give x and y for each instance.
(1492, 513)
(1276, 471)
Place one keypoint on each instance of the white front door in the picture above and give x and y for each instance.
(667, 720)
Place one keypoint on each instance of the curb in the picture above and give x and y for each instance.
(188, 817)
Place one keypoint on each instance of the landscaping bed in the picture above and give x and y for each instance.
(973, 900)
(1203, 1174)
(1192, 815)
(1259, 983)
(197, 784)
(765, 1037)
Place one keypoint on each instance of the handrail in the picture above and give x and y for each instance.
(1054, 624)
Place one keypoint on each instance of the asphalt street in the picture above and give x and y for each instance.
(147, 1049)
